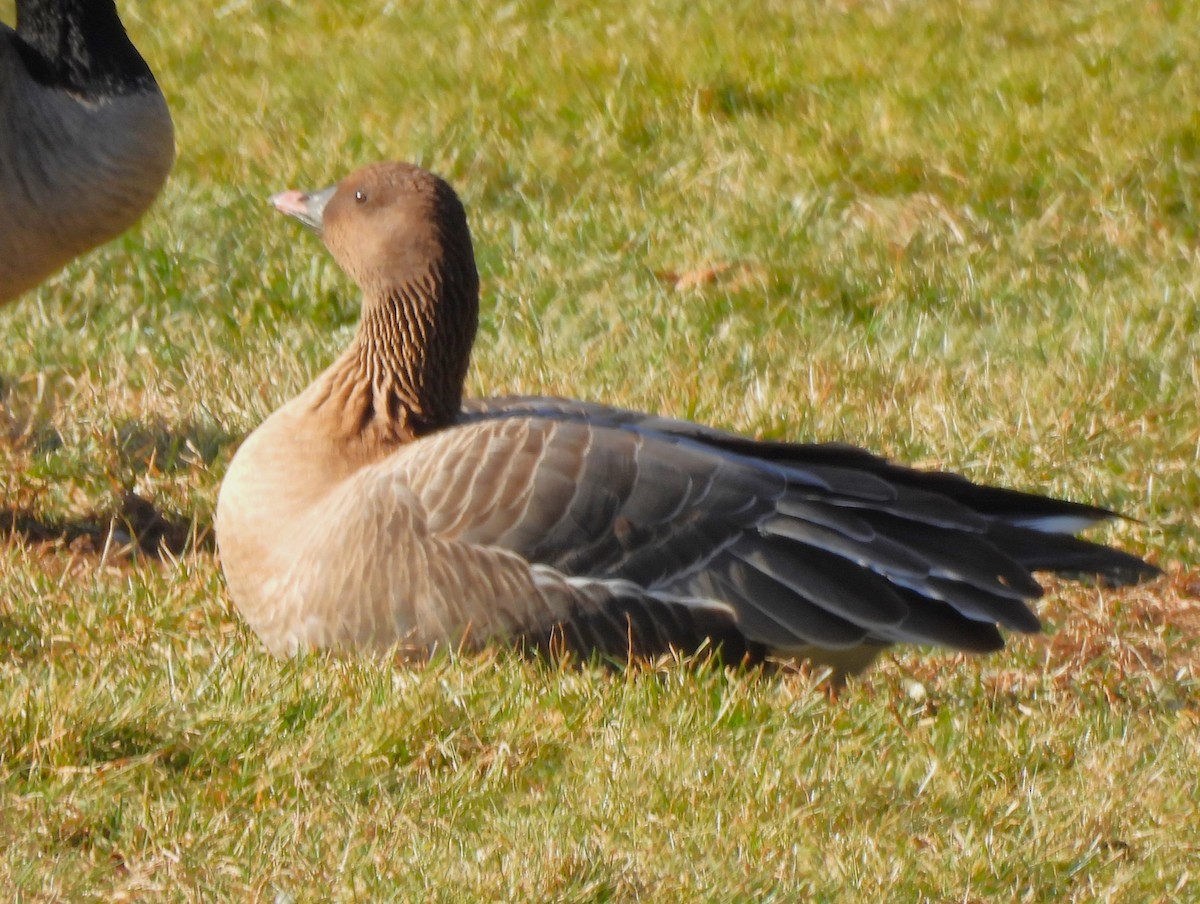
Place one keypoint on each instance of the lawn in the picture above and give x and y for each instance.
(962, 234)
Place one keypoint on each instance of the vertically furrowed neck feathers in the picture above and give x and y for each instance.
(413, 344)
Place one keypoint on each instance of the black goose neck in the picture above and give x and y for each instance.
(80, 46)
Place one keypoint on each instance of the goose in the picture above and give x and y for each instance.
(378, 510)
(86, 140)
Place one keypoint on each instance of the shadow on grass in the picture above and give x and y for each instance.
(121, 453)
(136, 523)
(168, 447)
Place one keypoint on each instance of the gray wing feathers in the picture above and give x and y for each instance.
(649, 528)
(587, 501)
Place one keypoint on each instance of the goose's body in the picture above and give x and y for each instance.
(86, 140)
(376, 509)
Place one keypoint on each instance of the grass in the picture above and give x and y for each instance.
(961, 234)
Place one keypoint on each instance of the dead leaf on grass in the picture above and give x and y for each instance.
(733, 275)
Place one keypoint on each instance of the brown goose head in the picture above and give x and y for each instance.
(401, 233)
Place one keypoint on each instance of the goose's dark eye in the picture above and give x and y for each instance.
(360, 196)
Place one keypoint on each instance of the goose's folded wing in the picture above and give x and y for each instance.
(1031, 528)
(589, 501)
(374, 570)
(827, 557)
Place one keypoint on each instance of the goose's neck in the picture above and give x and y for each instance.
(402, 376)
(82, 46)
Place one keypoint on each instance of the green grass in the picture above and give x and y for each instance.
(961, 234)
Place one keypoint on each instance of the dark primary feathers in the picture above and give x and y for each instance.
(570, 525)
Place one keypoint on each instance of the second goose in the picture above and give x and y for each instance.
(86, 140)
